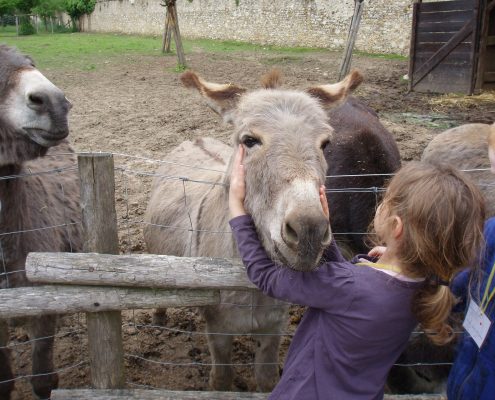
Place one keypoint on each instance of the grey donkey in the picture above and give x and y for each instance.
(285, 134)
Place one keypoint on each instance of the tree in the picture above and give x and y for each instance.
(48, 8)
(77, 8)
(7, 7)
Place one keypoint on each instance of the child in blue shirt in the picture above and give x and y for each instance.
(472, 376)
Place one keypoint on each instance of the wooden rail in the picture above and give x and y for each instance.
(143, 394)
(139, 270)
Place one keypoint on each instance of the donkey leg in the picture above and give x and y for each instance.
(221, 374)
(266, 362)
(160, 317)
(6, 374)
(44, 379)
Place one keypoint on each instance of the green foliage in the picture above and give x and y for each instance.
(77, 8)
(25, 6)
(26, 28)
(7, 6)
(48, 8)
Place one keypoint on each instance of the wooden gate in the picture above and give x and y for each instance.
(444, 46)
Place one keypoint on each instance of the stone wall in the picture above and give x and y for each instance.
(385, 26)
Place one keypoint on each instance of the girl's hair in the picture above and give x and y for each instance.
(443, 213)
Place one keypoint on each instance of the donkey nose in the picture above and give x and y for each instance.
(302, 233)
(37, 100)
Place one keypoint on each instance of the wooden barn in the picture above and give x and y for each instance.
(453, 46)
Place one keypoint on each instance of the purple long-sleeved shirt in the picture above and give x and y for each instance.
(358, 322)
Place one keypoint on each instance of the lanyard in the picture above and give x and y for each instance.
(487, 297)
(388, 267)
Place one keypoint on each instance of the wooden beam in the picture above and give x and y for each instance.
(144, 394)
(167, 34)
(63, 299)
(137, 270)
(99, 220)
(412, 46)
(174, 26)
(351, 39)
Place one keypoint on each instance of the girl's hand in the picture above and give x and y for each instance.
(237, 190)
(377, 251)
(324, 202)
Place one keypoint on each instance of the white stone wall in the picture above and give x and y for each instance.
(385, 26)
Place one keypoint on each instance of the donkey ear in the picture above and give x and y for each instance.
(220, 98)
(332, 95)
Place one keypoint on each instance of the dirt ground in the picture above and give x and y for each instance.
(137, 106)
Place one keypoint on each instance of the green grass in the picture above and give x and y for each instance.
(81, 50)
(89, 51)
(384, 56)
(8, 30)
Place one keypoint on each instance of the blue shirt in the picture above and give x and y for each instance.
(472, 376)
(358, 322)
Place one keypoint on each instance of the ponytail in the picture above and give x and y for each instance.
(432, 305)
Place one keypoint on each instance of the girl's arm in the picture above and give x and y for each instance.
(329, 287)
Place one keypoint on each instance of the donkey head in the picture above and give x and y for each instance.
(284, 133)
(33, 111)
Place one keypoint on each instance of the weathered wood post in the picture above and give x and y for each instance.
(351, 39)
(100, 236)
(167, 35)
(173, 26)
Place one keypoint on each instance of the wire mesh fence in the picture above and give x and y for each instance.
(174, 353)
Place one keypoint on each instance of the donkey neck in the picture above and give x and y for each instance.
(213, 217)
(12, 197)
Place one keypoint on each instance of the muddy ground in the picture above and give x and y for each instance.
(137, 106)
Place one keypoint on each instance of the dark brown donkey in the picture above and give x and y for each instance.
(33, 128)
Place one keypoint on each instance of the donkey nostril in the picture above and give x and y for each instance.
(290, 234)
(36, 99)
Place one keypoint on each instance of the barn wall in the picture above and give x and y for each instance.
(385, 27)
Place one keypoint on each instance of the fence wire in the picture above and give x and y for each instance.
(133, 181)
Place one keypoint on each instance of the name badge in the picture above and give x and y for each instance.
(476, 323)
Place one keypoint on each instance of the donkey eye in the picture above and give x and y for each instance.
(324, 144)
(250, 141)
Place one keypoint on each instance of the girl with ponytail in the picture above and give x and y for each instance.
(361, 312)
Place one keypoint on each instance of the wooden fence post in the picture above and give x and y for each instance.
(351, 39)
(99, 219)
(167, 34)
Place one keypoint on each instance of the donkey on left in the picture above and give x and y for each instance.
(39, 198)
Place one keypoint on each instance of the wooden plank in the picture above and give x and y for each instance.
(137, 270)
(447, 6)
(62, 299)
(425, 68)
(442, 26)
(440, 37)
(157, 394)
(446, 79)
(99, 220)
(464, 47)
(452, 58)
(447, 16)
